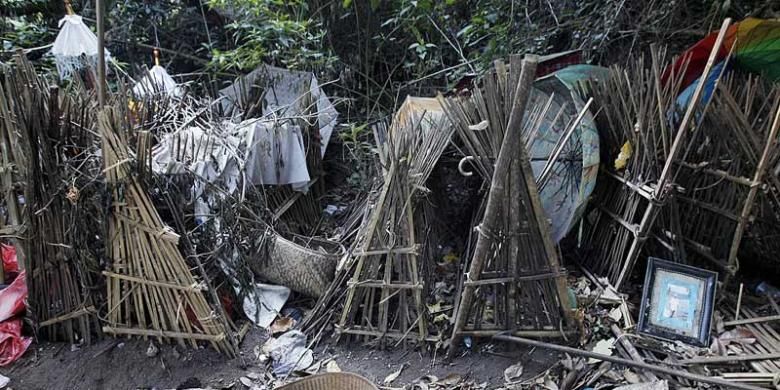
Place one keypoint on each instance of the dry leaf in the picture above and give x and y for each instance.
(631, 377)
(390, 378)
(513, 373)
(603, 347)
(282, 324)
(450, 380)
(246, 382)
(332, 366)
(615, 314)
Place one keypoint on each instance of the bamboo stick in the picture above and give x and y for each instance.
(509, 146)
(730, 359)
(769, 148)
(650, 214)
(753, 320)
(627, 362)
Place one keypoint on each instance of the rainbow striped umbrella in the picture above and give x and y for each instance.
(756, 44)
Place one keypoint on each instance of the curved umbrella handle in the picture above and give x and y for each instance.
(461, 166)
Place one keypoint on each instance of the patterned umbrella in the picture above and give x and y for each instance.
(566, 192)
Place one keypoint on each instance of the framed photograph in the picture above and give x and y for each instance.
(677, 302)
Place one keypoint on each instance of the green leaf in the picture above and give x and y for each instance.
(346, 3)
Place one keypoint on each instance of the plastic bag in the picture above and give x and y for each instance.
(12, 298)
(10, 265)
(12, 344)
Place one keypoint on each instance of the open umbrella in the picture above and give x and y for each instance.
(76, 45)
(565, 194)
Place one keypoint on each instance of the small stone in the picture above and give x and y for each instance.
(152, 351)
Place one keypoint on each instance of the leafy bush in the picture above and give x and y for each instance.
(271, 31)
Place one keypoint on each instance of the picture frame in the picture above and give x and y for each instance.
(677, 302)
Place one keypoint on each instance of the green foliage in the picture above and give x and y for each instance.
(172, 24)
(379, 50)
(24, 31)
(24, 25)
(271, 31)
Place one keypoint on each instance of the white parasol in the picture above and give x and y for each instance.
(76, 45)
(157, 81)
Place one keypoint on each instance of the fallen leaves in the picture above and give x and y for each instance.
(513, 373)
(393, 376)
(603, 347)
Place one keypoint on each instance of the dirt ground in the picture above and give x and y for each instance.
(124, 364)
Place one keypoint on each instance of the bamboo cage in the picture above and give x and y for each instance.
(517, 284)
(634, 108)
(384, 299)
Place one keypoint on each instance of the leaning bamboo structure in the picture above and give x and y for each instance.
(47, 149)
(633, 201)
(151, 291)
(384, 299)
(515, 261)
(720, 178)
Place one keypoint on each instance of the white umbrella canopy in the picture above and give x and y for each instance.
(76, 45)
(157, 81)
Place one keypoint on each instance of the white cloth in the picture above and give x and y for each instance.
(74, 41)
(157, 81)
(276, 155)
(265, 152)
(285, 92)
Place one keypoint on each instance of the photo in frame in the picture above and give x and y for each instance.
(677, 302)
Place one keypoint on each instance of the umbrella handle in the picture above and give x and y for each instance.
(462, 166)
(156, 53)
(68, 8)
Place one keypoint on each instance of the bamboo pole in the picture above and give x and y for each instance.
(101, 70)
(650, 214)
(763, 163)
(627, 362)
(509, 146)
(631, 350)
(754, 320)
(730, 359)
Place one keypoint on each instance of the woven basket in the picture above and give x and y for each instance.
(331, 381)
(301, 269)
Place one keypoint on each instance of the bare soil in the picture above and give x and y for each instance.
(124, 364)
